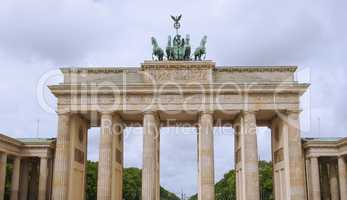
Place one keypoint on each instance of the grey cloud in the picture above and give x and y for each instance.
(38, 36)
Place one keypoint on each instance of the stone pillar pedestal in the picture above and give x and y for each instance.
(43, 179)
(105, 158)
(15, 179)
(342, 177)
(315, 186)
(3, 163)
(206, 157)
(151, 162)
(24, 180)
(62, 158)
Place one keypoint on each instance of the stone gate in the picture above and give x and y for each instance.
(165, 93)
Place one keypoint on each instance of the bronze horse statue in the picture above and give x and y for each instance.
(201, 50)
(187, 48)
(157, 51)
(169, 50)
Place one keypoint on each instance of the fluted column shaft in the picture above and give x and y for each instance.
(62, 158)
(43, 179)
(342, 177)
(15, 179)
(151, 163)
(206, 157)
(249, 157)
(293, 156)
(3, 162)
(105, 158)
(315, 186)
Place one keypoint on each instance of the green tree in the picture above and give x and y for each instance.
(166, 195)
(265, 179)
(131, 184)
(225, 189)
(92, 178)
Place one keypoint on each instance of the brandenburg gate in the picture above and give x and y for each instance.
(167, 93)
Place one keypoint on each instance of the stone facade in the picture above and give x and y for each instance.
(195, 93)
(326, 168)
(32, 161)
(198, 93)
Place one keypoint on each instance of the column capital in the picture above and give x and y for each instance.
(245, 112)
(106, 112)
(211, 112)
(150, 112)
(63, 112)
(343, 157)
(3, 153)
(289, 112)
(313, 157)
(205, 112)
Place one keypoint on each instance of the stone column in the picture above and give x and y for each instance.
(43, 179)
(117, 158)
(247, 165)
(315, 186)
(105, 158)
(342, 177)
(308, 178)
(24, 180)
(293, 157)
(334, 182)
(3, 163)
(62, 158)
(206, 157)
(15, 179)
(150, 172)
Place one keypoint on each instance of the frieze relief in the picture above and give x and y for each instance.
(177, 75)
(176, 99)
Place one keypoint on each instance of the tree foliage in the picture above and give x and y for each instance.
(225, 189)
(131, 184)
(92, 179)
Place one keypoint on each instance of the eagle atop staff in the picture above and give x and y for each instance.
(176, 19)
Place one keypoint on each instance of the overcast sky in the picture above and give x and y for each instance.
(37, 37)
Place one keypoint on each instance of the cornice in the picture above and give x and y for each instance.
(206, 64)
(179, 64)
(67, 89)
(9, 140)
(98, 69)
(256, 69)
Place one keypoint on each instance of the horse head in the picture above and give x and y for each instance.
(169, 41)
(187, 39)
(154, 42)
(203, 41)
